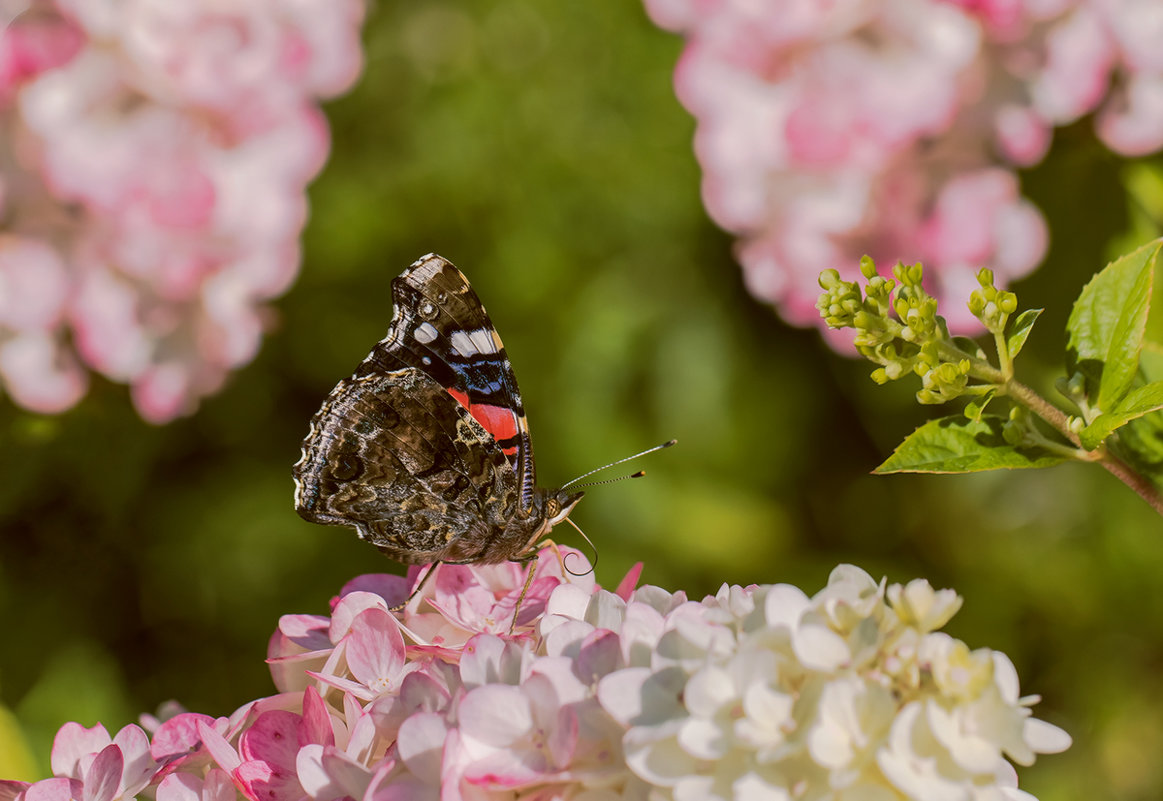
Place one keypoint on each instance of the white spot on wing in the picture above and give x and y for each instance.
(483, 340)
(462, 343)
(425, 333)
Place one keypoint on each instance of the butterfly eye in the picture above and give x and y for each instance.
(553, 507)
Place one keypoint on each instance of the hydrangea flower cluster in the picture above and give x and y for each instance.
(153, 161)
(757, 692)
(829, 130)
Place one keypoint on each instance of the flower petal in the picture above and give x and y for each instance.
(375, 650)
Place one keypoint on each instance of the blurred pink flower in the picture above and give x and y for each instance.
(155, 156)
(831, 130)
(757, 691)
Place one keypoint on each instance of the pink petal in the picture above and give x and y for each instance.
(419, 692)
(349, 777)
(34, 284)
(600, 655)
(222, 752)
(178, 735)
(59, 789)
(393, 589)
(40, 374)
(568, 601)
(273, 738)
(421, 745)
(139, 763)
(487, 659)
(180, 787)
(312, 776)
(218, 787)
(507, 770)
(629, 582)
(350, 607)
(497, 715)
(11, 790)
(566, 638)
(309, 632)
(103, 778)
(74, 742)
(562, 741)
(316, 723)
(375, 650)
(261, 781)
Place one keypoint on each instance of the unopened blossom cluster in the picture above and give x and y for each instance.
(153, 162)
(831, 130)
(759, 692)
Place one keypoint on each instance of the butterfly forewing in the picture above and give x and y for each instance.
(441, 328)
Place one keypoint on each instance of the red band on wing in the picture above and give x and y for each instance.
(497, 420)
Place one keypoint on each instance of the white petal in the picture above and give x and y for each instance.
(1045, 738)
(784, 606)
(820, 648)
(703, 739)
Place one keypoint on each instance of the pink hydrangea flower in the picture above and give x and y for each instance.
(827, 131)
(155, 160)
(759, 691)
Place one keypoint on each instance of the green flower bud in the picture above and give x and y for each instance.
(1014, 432)
(867, 267)
(976, 303)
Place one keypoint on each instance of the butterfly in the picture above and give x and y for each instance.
(425, 449)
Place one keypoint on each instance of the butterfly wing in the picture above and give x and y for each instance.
(441, 328)
(396, 456)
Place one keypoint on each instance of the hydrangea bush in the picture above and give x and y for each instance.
(831, 130)
(153, 161)
(758, 692)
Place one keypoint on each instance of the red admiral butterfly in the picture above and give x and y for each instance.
(425, 450)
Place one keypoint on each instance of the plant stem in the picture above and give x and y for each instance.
(1140, 484)
(1060, 422)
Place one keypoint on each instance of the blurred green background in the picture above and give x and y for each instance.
(540, 147)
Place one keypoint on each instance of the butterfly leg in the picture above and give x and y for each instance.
(419, 586)
(530, 564)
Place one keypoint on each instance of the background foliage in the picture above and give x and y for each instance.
(540, 147)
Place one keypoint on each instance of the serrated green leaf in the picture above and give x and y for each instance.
(956, 445)
(1105, 330)
(1022, 326)
(1137, 403)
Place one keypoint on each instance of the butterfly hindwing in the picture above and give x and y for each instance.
(393, 454)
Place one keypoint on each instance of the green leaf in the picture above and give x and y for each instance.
(1022, 326)
(1137, 403)
(970, 346)
(1142, 439)
(1151, 361)
(1105, 330)
(956, 445)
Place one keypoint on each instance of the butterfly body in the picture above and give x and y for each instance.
(425, 449)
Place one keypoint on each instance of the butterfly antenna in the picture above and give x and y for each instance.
(593, 548)
(620, 461)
